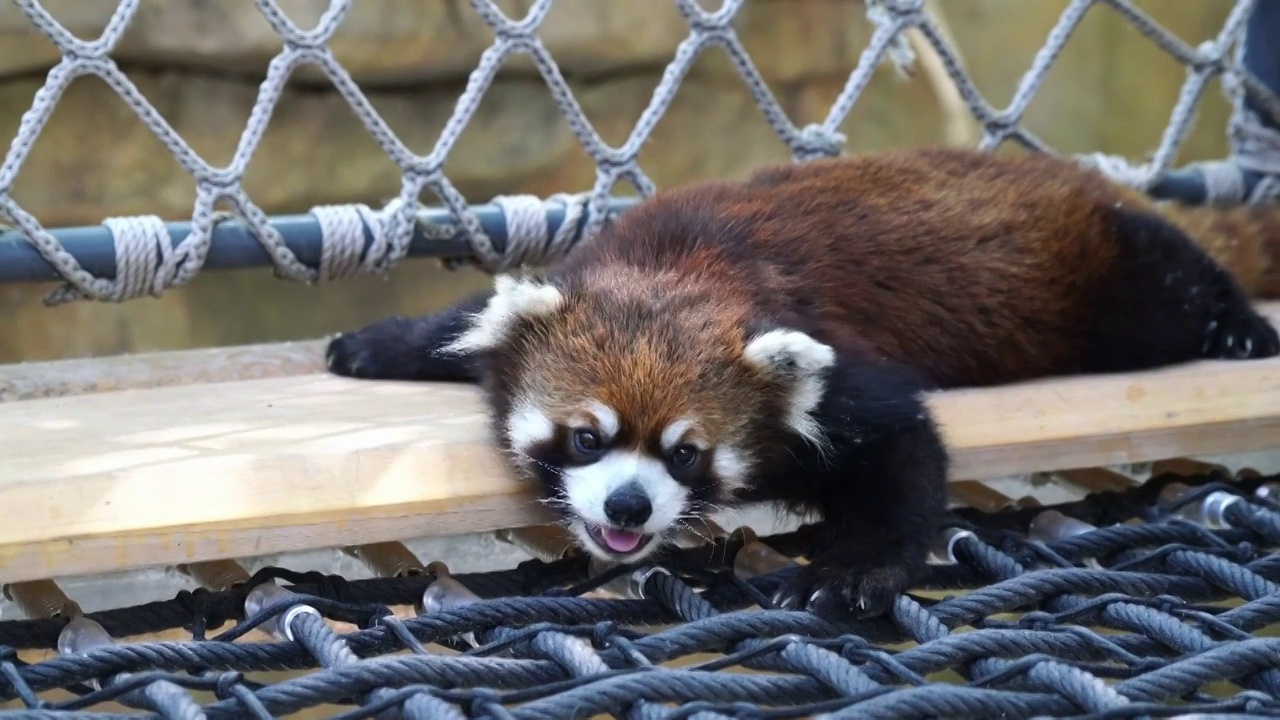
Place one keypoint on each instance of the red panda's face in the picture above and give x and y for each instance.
(636, 413)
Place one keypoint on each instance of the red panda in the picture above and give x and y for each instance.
(770, 340)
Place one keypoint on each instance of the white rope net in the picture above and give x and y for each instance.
(147, 262)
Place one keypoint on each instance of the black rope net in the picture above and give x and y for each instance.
(1157, 600)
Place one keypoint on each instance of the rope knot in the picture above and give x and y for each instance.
(225, 684)
(602, 634)
(884, 13)
(815, 141)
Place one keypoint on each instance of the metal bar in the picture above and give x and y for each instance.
(233, 245)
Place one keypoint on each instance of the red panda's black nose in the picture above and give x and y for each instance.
(628, 506)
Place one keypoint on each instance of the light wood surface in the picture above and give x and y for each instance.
(113, 480)
(77, 376)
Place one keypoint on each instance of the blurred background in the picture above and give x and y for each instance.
(200, 62)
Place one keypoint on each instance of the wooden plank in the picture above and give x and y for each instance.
(76, 376)
(114, 480)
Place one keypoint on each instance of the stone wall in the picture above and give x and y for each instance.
(200, 64)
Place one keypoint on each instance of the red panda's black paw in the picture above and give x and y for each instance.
(384, 350)
(349, 355)
(839, 591)
(1243, 334)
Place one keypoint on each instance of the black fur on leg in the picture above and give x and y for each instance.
(1169, 302)
(880, 486)
(407, 348)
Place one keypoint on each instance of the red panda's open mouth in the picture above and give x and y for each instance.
(617, 541)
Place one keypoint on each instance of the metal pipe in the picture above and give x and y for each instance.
(233, 245)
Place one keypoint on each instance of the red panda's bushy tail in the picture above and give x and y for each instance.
(1245, 239)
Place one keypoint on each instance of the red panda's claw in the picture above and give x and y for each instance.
(843, 592)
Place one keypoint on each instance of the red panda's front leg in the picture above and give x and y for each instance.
(409, 348)
(879, 480)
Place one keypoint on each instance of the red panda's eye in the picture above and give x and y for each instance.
(586, 441)
(684, 455)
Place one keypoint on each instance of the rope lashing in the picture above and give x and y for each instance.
(1255, 147)
(355, 240)
(342, 240)
(529, 237)
(145, 259)
(346, 251)
(146, 263)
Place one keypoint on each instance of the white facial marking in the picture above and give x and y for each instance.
(606, 419)
(795, 355)
(527, 426)
(730, 465)
(675, 432)
(587, 487)
(513, 299)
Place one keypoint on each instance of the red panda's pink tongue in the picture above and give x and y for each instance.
(622, 541)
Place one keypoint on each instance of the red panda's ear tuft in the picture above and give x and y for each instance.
(514, 299)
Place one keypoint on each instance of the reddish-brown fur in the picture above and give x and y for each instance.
(975, 269)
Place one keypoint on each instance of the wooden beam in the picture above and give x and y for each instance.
(115, 480)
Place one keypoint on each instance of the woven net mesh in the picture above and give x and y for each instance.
(1154, 600)
(147, 262)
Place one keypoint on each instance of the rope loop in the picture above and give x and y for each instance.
(146, 263)
(529, 237)
(357, 240)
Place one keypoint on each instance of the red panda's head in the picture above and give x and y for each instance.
(640, 401)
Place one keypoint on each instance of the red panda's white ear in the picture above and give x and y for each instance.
(799, 360)
(514, 298)
(789, 353)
